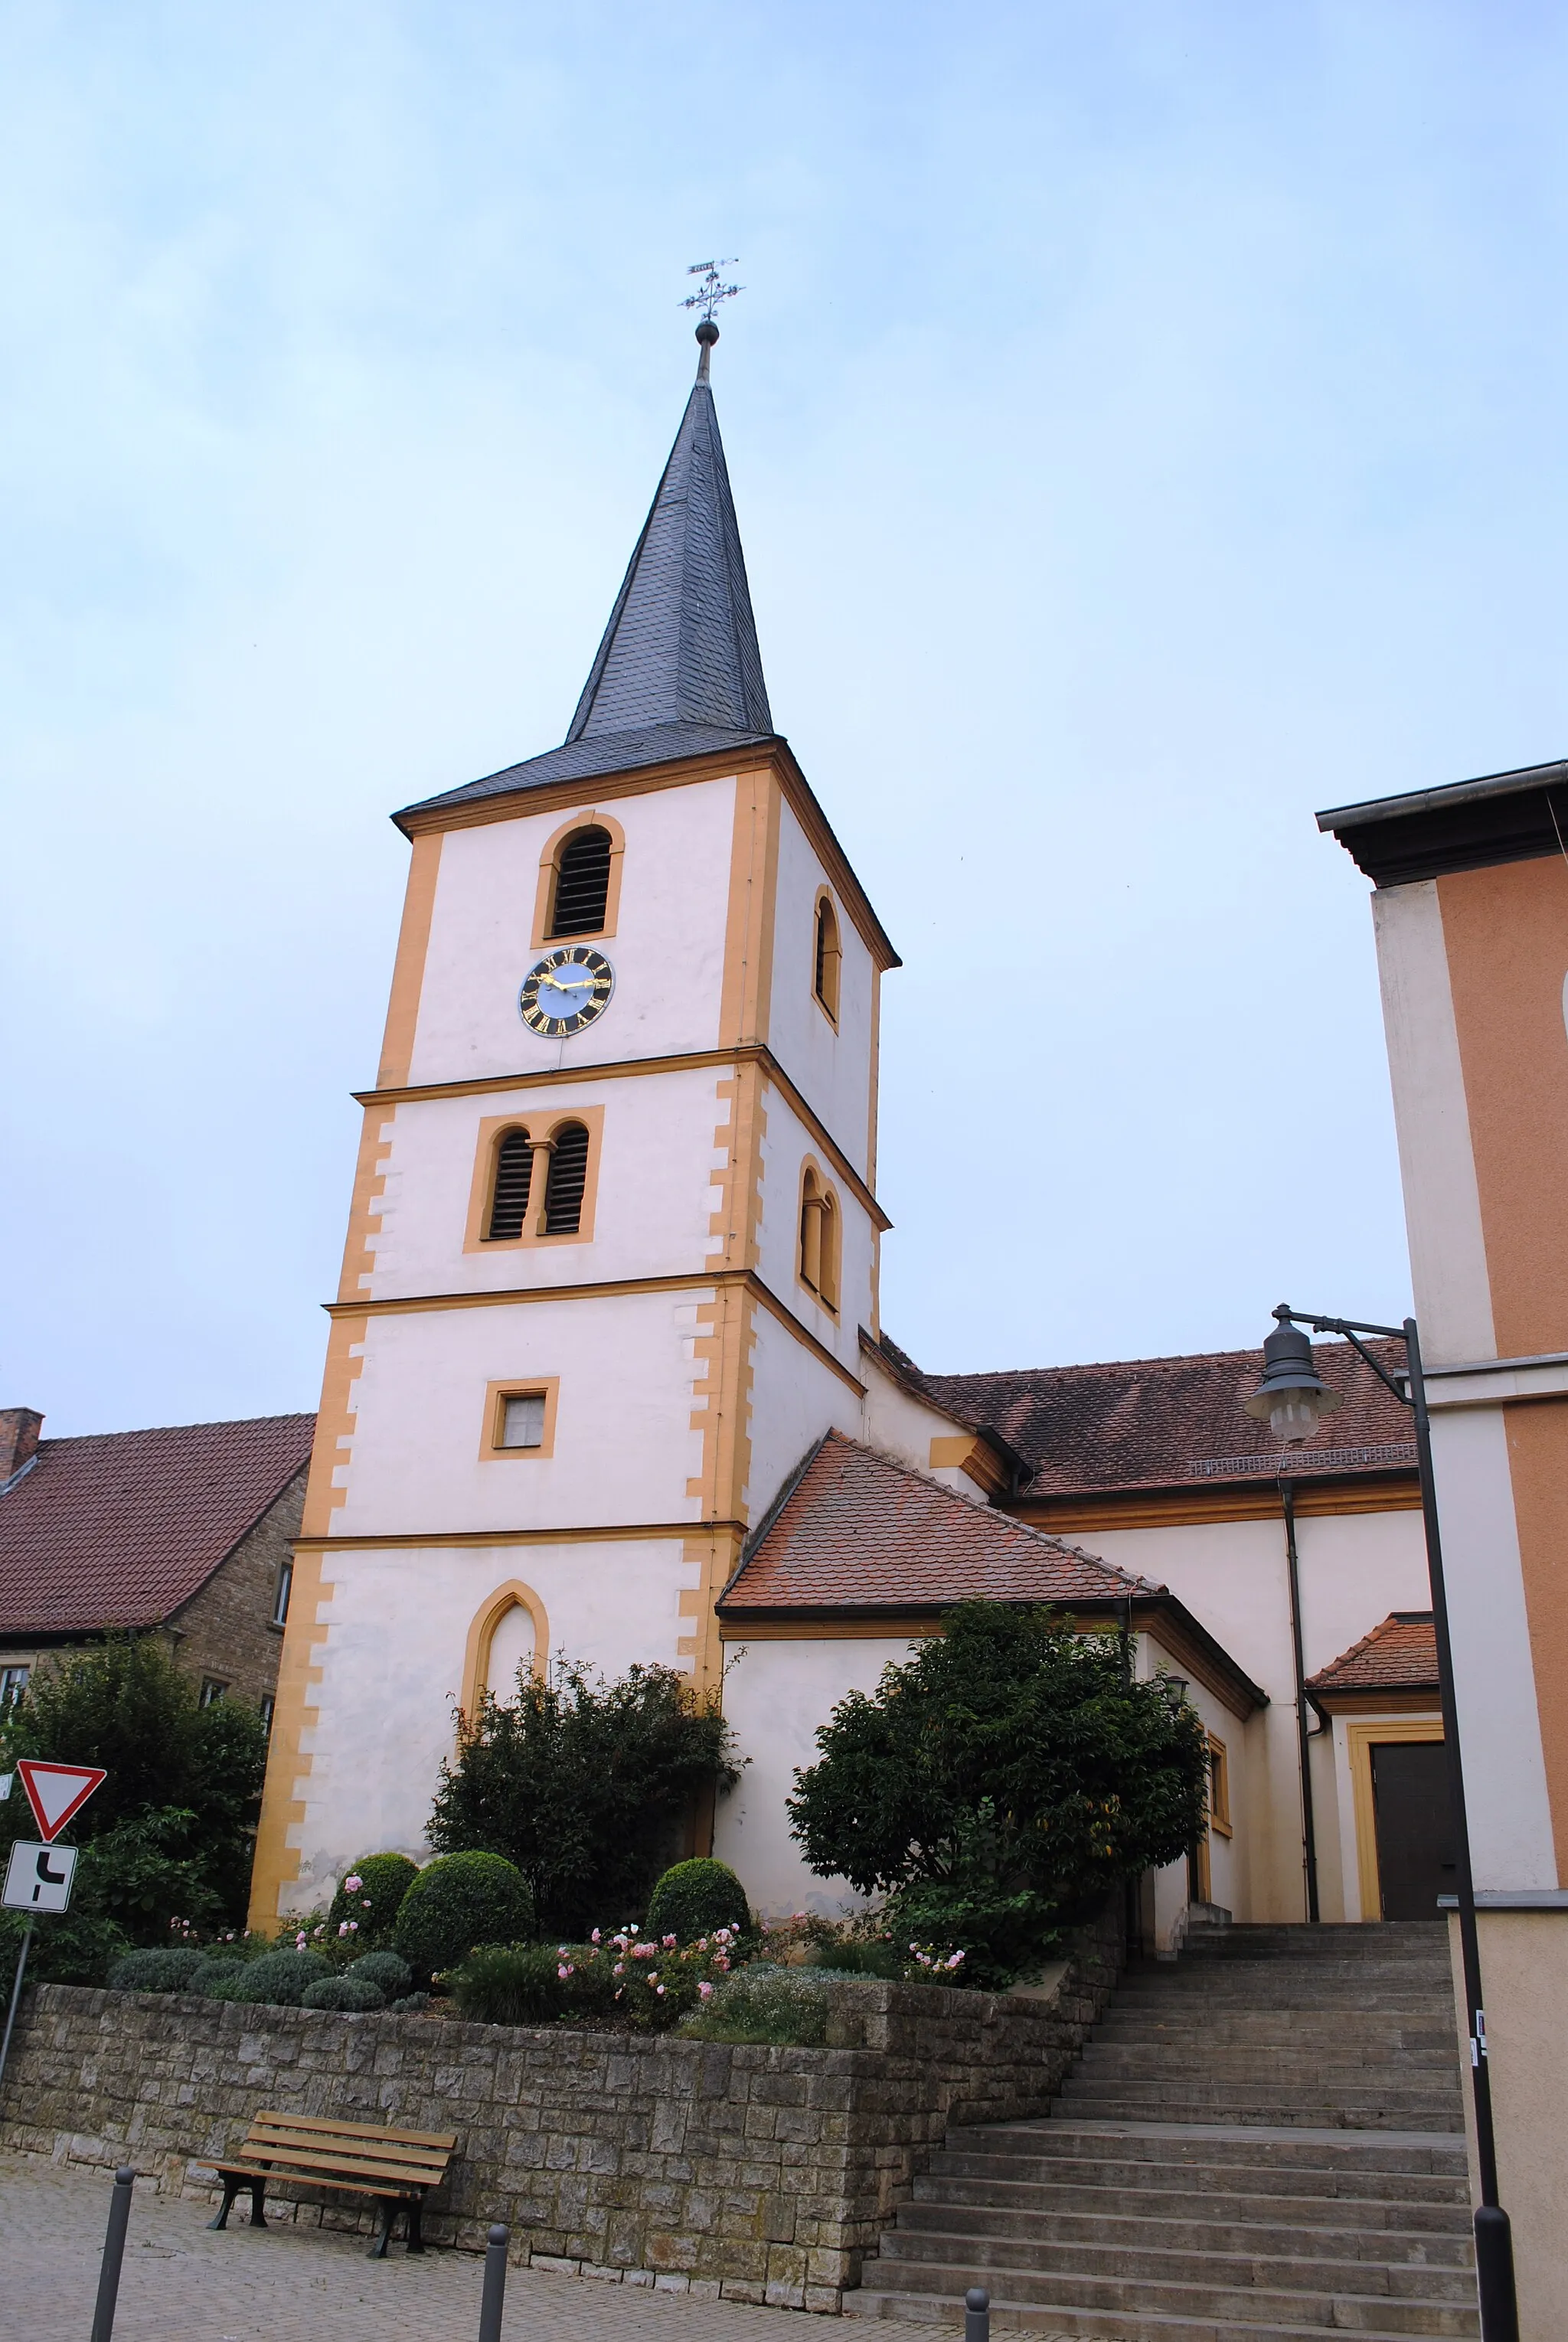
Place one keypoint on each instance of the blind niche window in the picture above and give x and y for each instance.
(827, 957)
(819, 1240)
(582, 889)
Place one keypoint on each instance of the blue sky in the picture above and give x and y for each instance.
(1144, 424)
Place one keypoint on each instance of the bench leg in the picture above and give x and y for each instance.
(383, 2233)
(233, 2183)
(258, 2193)
(415, 2232)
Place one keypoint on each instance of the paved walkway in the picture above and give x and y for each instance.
(294, 2284)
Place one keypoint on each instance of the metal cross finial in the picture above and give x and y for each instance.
(713, 289)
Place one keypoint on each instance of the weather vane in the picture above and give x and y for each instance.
(713, 288)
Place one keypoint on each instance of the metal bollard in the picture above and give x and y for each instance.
(977, 2315)
(113, 2254)
(494, 2295)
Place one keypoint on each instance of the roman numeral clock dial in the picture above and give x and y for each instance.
(564, 991)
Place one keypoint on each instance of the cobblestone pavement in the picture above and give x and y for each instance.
(299, 2283)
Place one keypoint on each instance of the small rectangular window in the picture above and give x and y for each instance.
(523, 1421)
(213, 1689)
(12, 1684)
(281, 1592)
(268, 1707)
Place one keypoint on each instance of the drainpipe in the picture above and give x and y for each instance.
(1304, 1734)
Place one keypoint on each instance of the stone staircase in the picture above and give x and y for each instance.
(1261, 2143)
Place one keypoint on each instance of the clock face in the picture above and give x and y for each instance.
(566, 990)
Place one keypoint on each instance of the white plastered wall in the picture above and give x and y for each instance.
(776, 1696)
(1355, 1568)
(668, 951)
(624, 1445)
(831, 1070)
(398, 1622)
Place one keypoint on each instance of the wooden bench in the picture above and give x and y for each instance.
(396, 2167)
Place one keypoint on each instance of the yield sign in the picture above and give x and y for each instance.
(56, 1792)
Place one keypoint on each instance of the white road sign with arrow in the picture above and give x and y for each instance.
(38, 1877)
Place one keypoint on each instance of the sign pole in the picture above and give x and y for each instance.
(16, 1993)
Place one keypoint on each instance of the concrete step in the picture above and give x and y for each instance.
(1057, 2318)
(1279, 2115)
(1159, 2261)
(1127, 2231)
(1223, 2058)
(1334, 2309)
(1372, 2215)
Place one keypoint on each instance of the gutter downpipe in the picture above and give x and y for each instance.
(1304, 1734)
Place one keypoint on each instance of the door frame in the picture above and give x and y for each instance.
(1360, 1739)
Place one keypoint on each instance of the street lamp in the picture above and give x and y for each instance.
(1293, 1400)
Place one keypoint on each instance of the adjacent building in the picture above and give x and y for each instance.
(185, 1532)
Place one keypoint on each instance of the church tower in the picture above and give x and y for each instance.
(614, 1233)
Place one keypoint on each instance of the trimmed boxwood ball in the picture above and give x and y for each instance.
(344, 1992)
(458, 1901)
(386, 1971)
(695, 1897)
(384, 1880)
(279, 1978)
(410, 2003)
(212, 1973)
(159, 1970)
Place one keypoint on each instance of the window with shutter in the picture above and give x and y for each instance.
(582, 884)
(568, 1178)
(513, 1178)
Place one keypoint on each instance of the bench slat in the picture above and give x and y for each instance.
(414, 2175)
(401, 2191)
(324, 2142)
(445, 2140)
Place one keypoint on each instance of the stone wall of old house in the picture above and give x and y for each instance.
(225, 1630)
(760, 2175)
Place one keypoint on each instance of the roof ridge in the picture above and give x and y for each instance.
(1120, 1365)
(152, 1430)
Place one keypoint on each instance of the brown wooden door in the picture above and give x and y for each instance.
(1414, 1838)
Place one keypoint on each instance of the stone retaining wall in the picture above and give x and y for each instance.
(760, 2175)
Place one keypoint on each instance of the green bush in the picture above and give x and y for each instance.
(584, 1784)
(161, 1971)
(859, 1956)
(458, 1901)
(374, 1904)
(74, 1946)
(168, 1836)
(1000, 1783)
(785, 2006)
(695, 1898)
(385, 1970)
(511, 1984)
(409, 2004)
(280, 1979)
(344, 1992)
(212, 1973)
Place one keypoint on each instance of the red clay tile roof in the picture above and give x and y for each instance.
(855, 1532)
(1399, 1656)
(119, 1529)
(1159, 1423)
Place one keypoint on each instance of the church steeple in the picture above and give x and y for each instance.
(681, 647)
(678, 672)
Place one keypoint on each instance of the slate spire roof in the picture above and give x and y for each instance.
(678, 672)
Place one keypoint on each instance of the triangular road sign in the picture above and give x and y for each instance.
(56, 1792)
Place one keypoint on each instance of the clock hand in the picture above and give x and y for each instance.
(563, 987)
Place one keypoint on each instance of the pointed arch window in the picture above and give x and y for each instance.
(582, 888)
(827, 957)
(567, 1180)
(819, 1238)
(510, 1191)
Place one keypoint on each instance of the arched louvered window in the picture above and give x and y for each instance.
(513, 1178)
(826, 966)
(582, 884)
(819, 1239)
(568, 1178)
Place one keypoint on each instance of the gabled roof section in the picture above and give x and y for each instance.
(854, 1532)
(679, 673)
(1165, 1423)
(1399, 1656)
(120, 1529)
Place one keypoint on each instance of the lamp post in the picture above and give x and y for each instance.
(1293, 1400)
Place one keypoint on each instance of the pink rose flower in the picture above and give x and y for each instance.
(670, 1942)
(705, 1990)
(352, 1886)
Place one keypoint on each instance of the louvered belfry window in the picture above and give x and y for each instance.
(568, 1177)
(513, 1177)
(582, 884)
